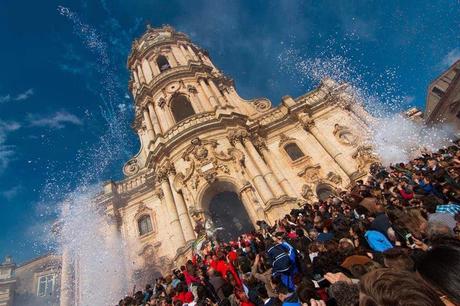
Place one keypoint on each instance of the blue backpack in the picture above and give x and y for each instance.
(377, 241)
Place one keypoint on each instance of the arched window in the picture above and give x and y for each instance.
(181, 108)
(323, 191)
(144, 224)
(163, 63)
(293, 150)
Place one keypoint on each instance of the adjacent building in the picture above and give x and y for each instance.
(34, 283)
(443, 98)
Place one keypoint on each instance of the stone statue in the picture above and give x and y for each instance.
(344, 135)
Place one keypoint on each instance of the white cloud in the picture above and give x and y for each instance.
(5, 98)
(25, 95)
(9, 194)
(57, 120)
(451, 57)
(6, 151)
(19, 97)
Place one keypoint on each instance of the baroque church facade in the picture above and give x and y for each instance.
(208, 154)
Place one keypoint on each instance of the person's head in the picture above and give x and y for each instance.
(278, 237)
(346, 246)
(262, 293)
(227, 290)
(397, 259)
(387, 287)
(313, 234)
(201, 292)
(432, 163)
(283, 292)
(306, 291)
(437, 230)
(345, 294)
(440, 268)
(181, 287)
(318, 222)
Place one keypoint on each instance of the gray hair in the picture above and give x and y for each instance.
(438, 229)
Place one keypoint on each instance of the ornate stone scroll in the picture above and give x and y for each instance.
(334, 178)
(262, 105)
(364, 157)
(311, 173)
(131, 167)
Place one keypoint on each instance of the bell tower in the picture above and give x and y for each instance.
(173, 80)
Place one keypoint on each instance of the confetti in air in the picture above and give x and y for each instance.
(85, 233)
(394, 137)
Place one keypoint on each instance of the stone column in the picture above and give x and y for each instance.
(175, 227)
(230, 101)
(208, 93)
(254, 210)
(253, 172)
(203, 100)
(187, 228)
(192, 53)
(154, 67)
(332, 150)
(218, 93)
(188, 198)
(196, 104)
(271, 161)
(180, 58)
(266, 172)
(66, 279)
(141, 74)
(184, 52)
(136, 78)
(162, 116)
(147, 70)
(153, 117)
(172, 61)
(148, 123)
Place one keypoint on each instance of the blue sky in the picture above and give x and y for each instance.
(63, 78)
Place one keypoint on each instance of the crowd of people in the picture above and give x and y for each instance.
(390, 239)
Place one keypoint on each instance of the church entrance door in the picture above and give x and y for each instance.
(227, 211)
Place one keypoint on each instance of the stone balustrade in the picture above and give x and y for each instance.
(131, 183)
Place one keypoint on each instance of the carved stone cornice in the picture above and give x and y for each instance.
(224, 81)
(167, 76)
(306, 122)
(284, 140)
(141, 210)
(154, 38)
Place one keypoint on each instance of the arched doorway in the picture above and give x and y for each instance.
(227, 211)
